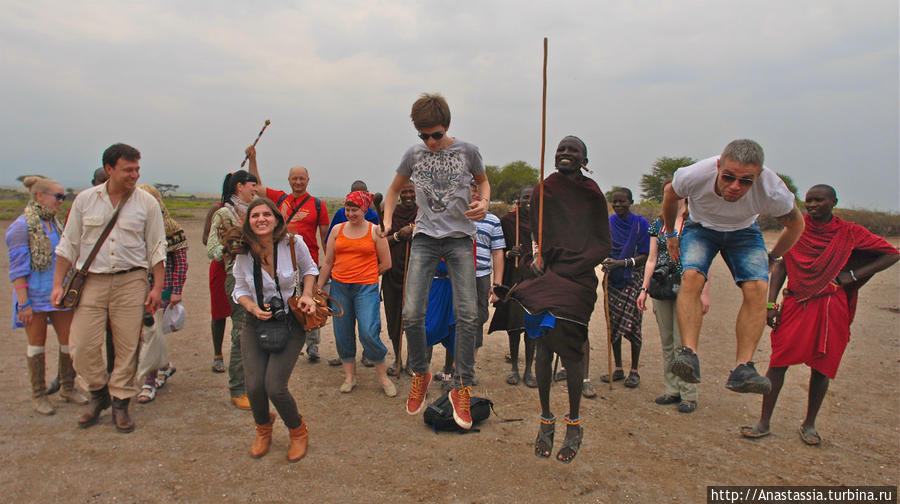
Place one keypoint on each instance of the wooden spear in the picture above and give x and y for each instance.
(540, 259)
(266, 125)
(609, 358)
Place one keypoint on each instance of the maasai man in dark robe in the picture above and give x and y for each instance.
(825, 269)
(630, 235)
(560, 300)
(508, 315)
(392, 280)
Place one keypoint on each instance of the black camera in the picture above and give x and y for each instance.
(663, 271)
(276, 306)
(148, 319)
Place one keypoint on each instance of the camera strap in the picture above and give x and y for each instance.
(257, 278)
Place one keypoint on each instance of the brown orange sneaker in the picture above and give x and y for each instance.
(417, 391)
(459, 398)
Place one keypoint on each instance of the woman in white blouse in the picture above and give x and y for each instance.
(263, 238)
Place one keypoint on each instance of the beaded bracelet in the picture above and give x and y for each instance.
(23, 286)
(673, 235)
(853, 276)
(25, 306)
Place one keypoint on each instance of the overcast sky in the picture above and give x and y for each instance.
(191, 83)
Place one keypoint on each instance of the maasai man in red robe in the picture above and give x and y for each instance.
(825, 269)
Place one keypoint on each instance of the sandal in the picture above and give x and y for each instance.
(163, 374)
(633, 380)
(618, 375)
(543, 445)
(218, 365)
(147, 394)
(754, 431)
(530, 380)
(571, 445)
(512, 378)
(810, 436)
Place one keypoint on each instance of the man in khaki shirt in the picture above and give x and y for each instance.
(117, 288)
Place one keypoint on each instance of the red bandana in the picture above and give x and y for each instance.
(362, 199)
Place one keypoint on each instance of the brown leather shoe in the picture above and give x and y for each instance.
(263, 439)
(121, 419)
(299, 441)
(99, 402)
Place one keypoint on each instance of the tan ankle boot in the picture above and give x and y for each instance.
(38, 386)
(67, 390)
(263, 438)
(299, 442)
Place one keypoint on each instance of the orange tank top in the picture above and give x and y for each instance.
(355, 259)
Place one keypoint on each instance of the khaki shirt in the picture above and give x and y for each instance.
(137, 240)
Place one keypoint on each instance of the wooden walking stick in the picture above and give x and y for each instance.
(402, 302)
(609, 358)
(540, 260)
(517, 231)
(266, 125)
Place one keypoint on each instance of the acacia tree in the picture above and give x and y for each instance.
(662, 169)
(165, 189)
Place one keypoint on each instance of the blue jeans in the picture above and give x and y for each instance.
(424, 255)
(362, 305)
(744, 251)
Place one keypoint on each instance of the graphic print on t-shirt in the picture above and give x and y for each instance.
(439, 175)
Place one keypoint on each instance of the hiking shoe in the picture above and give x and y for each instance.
(459, 399)
(667, 399)
(417, 391)
(744, 379)
(687, 406)
(687, 366)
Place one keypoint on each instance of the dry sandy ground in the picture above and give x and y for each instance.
(191, 444)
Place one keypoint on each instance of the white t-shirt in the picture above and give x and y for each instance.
(696, 182)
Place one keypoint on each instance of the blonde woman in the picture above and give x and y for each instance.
(31, 240)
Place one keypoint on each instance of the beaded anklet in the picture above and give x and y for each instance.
(570, 421)
(548, 421)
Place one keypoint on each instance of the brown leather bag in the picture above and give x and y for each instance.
(319, 297)
(73, 285)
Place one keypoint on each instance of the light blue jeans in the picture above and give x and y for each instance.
(362, 306)
(424, 255)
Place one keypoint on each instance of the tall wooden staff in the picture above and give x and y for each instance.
(540, 259)
(266, 125)
(609, 358)
(402, 302)
(517, 231)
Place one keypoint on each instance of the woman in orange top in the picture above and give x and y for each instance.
(354, 257)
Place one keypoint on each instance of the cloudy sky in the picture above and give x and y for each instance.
(190, 84)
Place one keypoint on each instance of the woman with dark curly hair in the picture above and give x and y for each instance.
(264, 276)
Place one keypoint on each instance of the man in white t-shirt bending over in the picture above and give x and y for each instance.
(725, 196)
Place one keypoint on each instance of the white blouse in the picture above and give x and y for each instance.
(243, 272)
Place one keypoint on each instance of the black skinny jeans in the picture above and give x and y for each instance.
(266, 374)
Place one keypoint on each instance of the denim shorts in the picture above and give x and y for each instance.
(744, 251)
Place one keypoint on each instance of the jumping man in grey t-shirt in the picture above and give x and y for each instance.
(441, 171)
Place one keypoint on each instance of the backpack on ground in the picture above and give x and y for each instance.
(439, 414)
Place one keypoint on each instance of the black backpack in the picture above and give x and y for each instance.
(439, 414)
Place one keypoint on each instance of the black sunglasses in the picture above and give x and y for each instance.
(742, 181)
(58, 196)
(437, 136)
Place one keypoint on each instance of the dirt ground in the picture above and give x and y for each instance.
(191, 444)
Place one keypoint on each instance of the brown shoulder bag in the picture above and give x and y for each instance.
(319, 297)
